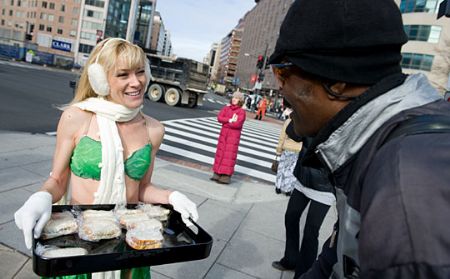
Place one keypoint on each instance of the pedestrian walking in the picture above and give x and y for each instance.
(288, 150)
(262, 106)
(382, 136)
(232, 118)
(102, 126)
(311, 187)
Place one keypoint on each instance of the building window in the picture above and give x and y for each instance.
(61, 19)
(12, 2)
(85, 48)
(52, 6)
(419, 6)
(425, 33)
(76, 11)
(74, 23)
(44, 16)
(63, 8)
(417, 61)
(73, 33)
(94, 14)
(10, 13)
(41, 27)
(51, 17)
(49, 29)
(88, 36)
(60, 31)
(3, 11)
(95, 3)
(44, 4)
(19, 3)
(3, 22)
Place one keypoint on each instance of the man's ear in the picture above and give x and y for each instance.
(335, 91)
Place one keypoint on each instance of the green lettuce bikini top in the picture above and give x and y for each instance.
(87, 157)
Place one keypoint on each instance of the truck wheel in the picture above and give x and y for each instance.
(155, 92)
(192, 103)
(172, 97)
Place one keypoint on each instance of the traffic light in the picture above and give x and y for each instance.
(261, 76)
(260, 62)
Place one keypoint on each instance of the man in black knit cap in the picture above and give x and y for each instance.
(383, 136)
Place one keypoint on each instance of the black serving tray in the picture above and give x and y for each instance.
(180, 244)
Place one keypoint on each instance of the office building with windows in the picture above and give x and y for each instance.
(131, 20)
(262, 26)
(45, 29)
(63, 33)
(229, 52)
(428, 48)
(160, 37)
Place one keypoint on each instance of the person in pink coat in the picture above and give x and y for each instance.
(232, 118)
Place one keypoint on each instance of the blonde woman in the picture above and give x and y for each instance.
(105, 146)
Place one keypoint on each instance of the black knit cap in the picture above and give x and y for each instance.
(354, 41)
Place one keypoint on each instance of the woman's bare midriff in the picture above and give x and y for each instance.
(83, 190)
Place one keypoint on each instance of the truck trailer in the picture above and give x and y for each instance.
(177, 81)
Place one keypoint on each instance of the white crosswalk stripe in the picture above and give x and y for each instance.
(196, 139)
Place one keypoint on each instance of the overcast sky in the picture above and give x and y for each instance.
(195, 24)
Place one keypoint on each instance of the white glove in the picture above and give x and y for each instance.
(34, 213)
(233, 119)
(184, 206)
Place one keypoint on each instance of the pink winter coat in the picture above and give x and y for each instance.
(230, 135)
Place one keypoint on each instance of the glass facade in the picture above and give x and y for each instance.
(425, 33)
(143, 20)
(117, 19)
(419, 6)
(417, 61)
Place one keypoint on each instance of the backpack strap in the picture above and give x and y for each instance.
(421, 124)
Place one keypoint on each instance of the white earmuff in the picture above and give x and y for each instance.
(98, 80)
(97, 75)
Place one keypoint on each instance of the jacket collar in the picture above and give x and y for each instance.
(352, 127)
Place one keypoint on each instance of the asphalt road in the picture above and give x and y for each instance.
(31, 94)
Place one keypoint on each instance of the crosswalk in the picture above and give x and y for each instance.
(211, 100)
(196, 139)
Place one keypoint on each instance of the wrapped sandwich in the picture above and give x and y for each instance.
(60, 223)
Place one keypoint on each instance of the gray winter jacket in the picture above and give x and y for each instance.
(393, 199)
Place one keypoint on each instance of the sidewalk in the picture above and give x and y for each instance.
(245, 218)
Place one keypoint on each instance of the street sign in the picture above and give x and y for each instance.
(64, 46)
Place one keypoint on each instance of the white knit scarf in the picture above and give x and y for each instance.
(112, 188)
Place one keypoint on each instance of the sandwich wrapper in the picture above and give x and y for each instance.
(71, 254)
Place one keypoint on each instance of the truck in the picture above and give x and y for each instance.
(219, 89)
(177, 81)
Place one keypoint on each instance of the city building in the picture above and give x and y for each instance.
(63, 33)
(131, 20)
(262, 25)
(160, 37)
(46, 30)
(214, 62)
(427, 51)
(428, 48)
(229, 52)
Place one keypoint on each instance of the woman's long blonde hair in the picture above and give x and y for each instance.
(110, 53)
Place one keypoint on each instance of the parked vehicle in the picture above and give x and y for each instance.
(177, 80)
(220, 89)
